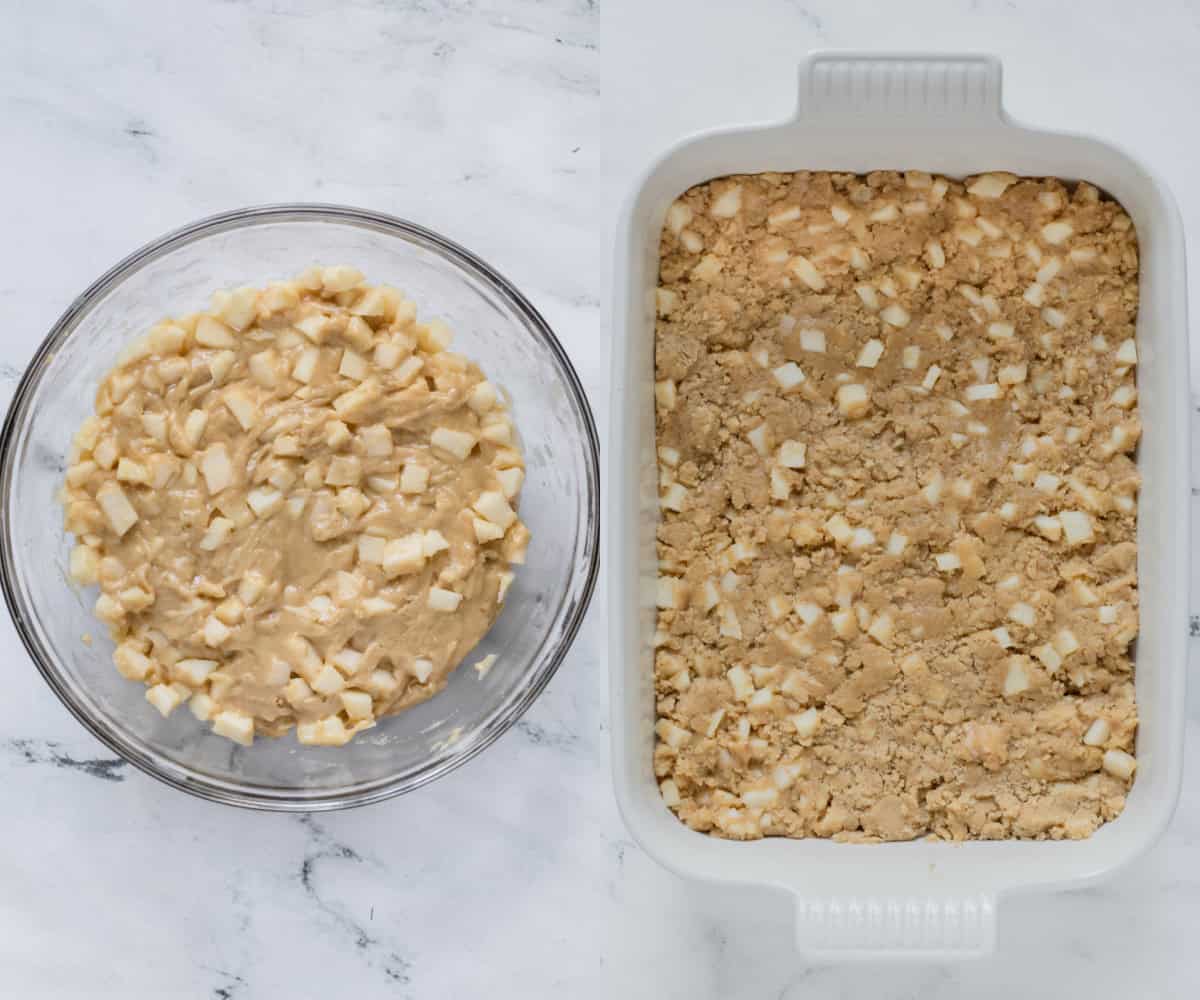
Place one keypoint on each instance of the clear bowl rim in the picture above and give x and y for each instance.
(134, 751)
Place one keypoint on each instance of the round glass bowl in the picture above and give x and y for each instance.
(493, 324)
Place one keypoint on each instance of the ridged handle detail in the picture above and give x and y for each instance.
(899, 89)
(920, 926)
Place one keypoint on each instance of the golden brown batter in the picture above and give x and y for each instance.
(299, 508)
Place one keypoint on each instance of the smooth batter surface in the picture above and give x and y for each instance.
(299, 507)
(896, 419)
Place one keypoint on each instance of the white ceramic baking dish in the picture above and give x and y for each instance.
(862, 112)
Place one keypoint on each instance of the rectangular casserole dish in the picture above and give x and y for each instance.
(942, 114)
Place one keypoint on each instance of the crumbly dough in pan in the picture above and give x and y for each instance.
(896, 418)
(299, 508)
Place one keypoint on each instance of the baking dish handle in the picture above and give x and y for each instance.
(899, 90)
(900, 926)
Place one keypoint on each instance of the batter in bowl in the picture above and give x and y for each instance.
(299, 507)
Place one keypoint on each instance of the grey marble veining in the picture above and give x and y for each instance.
(514, 126)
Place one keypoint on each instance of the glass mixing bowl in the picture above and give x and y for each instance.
(493, 324)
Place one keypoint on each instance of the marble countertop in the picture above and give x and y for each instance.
(514, 126)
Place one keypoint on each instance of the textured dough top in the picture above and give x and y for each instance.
(895, 424)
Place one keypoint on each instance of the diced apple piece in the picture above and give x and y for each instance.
(193, 672)
(108, 609)
(337, 434)
(352, 405)
(673, 497)
(117, 509)
(193, 427)
(340, 278)
(441, 599)
(1077, 527)
(353, 365)
(806, 723)
(486, 531)
(727, 204)
(220, 365)
(1022, 614)
(990, 186)
(286, 446)
(1046, 482)
(371, 549)
(1119, 764)
(806, 271)
(237, 308)
(1057, 232)
(511, 481)
(376, 440)
(981, 393)
(1013, 374)
(306, 365)
(155, 426)
(357, 704)
(665, 394)
(494, 507)
(166, 339)
(433, 542)
(278, 297)
(263, 368)
(792, 454)
(1049, 528)
(216, 534)
(788, 376)
(347, 660)
(456, 444)
(868, 296)
(129, 471)
(403, 555)
(388, 354)
(1049, 657)
(202, 706)
(211, 332)
(757, 437)
(344, 470)
(85, 565)
(678, 216)
(434, 337)
(264, 501)
(131, 662)
(105, 453)
(853, 401)
(327, 732)
(870, 354)
(483, 397)
(234, 725)
(812, 340)
(216, 632)
(414, 478)
(1016, 676)
(165, 698)
(217, 468)
(241, 403)
(947, 562)
(328, 681)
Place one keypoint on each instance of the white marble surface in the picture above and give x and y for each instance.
(513, 126)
